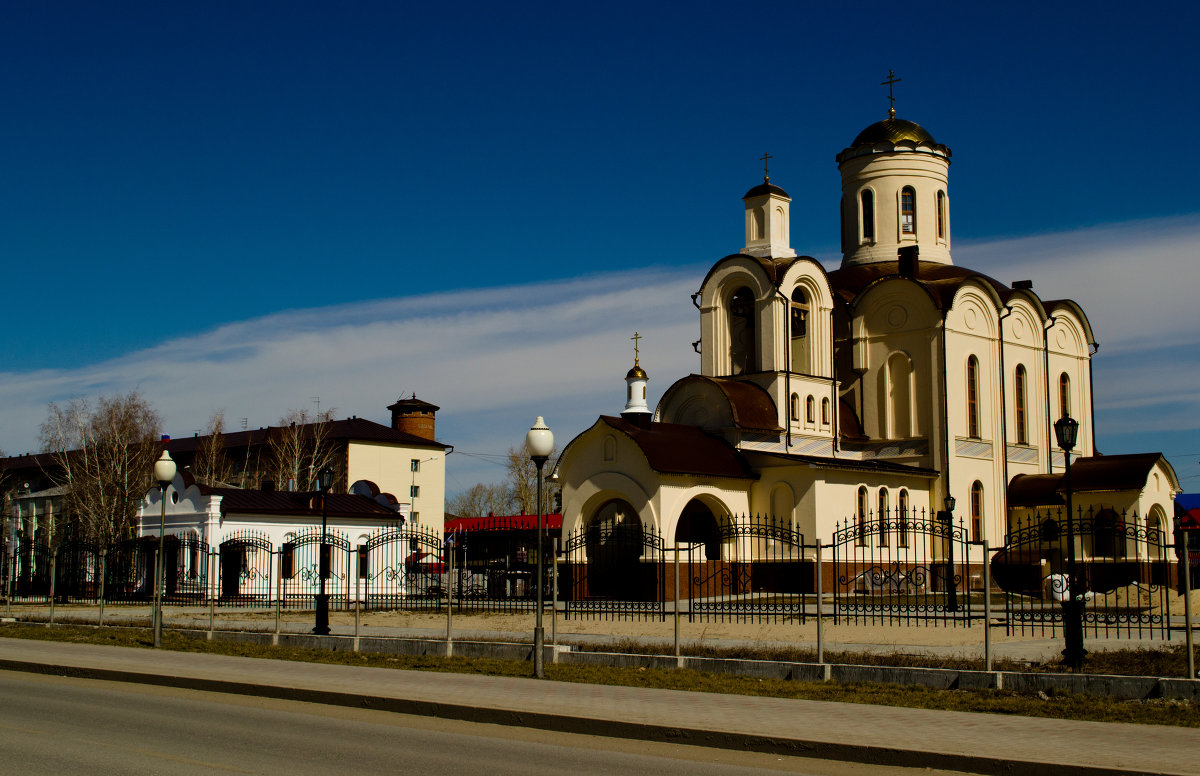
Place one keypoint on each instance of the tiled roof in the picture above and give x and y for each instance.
(677, 449)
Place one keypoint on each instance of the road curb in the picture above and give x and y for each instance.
(799, 747)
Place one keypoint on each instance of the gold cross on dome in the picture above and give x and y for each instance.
(764, 159)
(635, 339)
(891, 81)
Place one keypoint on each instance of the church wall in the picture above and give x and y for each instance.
(592, 472)
(1069, 353)
(1024, 346)
(715, 319)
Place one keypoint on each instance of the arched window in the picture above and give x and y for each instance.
(1064, 395)
(908, 210)
(742, 339)
(810, 409)
(861, 516)
(902, 518)
(899, 396)
(977, 511)
(794, 407)
(868, 215)
(1019, 380)
(973, 397)
(825, 412)
(941, 215)
(1108, 535)
(882, 517)
(799, 332)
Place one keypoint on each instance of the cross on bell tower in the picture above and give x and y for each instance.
(891, 81)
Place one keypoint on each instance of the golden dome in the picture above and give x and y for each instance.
(892, 131)
(637, 373)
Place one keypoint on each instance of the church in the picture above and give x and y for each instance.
(880, 388)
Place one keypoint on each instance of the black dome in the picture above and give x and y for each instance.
(765, 188)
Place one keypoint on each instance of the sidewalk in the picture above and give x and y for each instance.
(982, 743)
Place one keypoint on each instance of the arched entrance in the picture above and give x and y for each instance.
(698, 525)
(612, 558)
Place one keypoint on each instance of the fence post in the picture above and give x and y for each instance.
(53, 579)
(278, 597)
(357, 590)
(820, 612)
(103, 556)
(212, 591)
(987, 606)
(1181, 552)
(554, 603)
(12, 566)
(449, 601)
(678, 661)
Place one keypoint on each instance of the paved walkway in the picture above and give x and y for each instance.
(983, 743)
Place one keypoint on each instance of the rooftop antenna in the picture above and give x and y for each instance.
(317, 399)
(891, 81)
(245, 423)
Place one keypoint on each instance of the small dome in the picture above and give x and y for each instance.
(765, 187)
(637, 373)
(892, 131)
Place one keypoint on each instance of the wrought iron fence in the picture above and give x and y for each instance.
(615, 569)
(1122, 572)
(748, 568)
(902, 567)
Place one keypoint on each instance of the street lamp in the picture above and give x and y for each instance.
(324, 483)
(164, 474)
(1066, 430)
(539, 442)
(951, 585)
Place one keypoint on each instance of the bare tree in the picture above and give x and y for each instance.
(212, 467)
(103, 457)
(300, 447)
(481, 499)
(522, 481)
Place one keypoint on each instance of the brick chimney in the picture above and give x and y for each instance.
(414, 416)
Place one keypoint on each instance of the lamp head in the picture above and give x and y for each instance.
(1066, 430)
(539, 441)
(325, 479)
(164, 470)
(949, 503)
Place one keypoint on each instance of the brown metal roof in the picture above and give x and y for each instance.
(941, 281)
(672, 448)
(1034, 490)
(750, 404)
(282, 502)
(1095, 474)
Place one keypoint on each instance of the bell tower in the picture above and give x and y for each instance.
(768, 228)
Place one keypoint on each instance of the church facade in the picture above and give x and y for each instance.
(873, 390)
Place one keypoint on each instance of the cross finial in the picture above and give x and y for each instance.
(635, 339)
(764, 159)
(891, 81)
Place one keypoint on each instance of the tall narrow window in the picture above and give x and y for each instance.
(824, 412)
(810, 409)
(741, 332)
(941, 215)
(868, 216)
(899, 386)
(799, 332)
(794, 405)
(973, 397)
(908, 210)
(415, 465)
(862, 516)
(1064, 395)
(1019, 400)
(882, 517)
(977, 512)
(902, 518)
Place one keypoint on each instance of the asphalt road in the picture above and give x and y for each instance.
(56, 725)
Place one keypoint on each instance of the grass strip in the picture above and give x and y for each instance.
(1055, 706)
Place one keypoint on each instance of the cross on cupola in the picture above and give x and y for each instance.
(635, 339)
(766, 173)
(891, 81)
(635, 387)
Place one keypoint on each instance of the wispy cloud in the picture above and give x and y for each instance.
(494, 358)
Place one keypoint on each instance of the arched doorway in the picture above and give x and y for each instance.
(698, 525)
(619, 555)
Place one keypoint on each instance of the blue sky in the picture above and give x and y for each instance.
(344, 180)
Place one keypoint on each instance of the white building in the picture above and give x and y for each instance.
(887, 384)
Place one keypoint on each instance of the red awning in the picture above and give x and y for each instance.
(503, 522)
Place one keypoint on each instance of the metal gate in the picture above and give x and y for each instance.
(401, 569)
(749, 568)
(902, 567)
(244, 566)
(614, 570)
(1122, 573)
(301, 562)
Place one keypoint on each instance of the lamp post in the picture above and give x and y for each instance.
(1066, 430)
(324, 483)
(164, 474)
(539, 442)
(951, 585)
